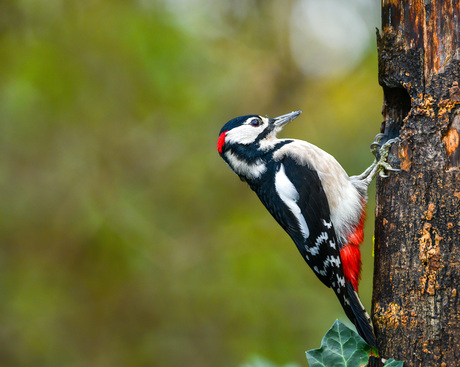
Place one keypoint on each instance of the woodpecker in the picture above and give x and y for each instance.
(312, 198)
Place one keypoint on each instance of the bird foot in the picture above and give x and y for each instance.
(382, 165)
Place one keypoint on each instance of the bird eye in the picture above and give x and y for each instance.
(255, 122)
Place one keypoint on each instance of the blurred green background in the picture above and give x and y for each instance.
(125, 240)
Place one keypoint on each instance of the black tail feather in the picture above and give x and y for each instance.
(357, 314)
(360, 317)
(361, 320)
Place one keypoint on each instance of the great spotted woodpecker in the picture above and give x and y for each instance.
(311, 196)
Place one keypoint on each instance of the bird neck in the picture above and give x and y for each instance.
(246, 161)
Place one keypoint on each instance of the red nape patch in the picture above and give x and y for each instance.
(351, 261)
(221, 142)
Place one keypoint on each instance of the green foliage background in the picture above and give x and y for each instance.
(125, 240)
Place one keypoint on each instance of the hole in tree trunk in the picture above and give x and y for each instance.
(396, 107)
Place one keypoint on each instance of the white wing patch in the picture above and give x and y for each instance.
(327, 224)
(319, 240)
(320, 272)
(314, 250)
(335, 261)
(288, 193)
(344, 199)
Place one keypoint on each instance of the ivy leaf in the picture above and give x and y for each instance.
(340, 347)
(392, 363)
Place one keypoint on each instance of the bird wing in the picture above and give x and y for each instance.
(296, 199)
(303, 213)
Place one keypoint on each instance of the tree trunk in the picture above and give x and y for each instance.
(415, 303)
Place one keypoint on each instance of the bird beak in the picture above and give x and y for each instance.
(284, 119)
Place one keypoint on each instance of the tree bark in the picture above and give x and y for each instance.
(415, 305)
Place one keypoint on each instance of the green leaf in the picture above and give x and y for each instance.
(340, 347)
(392, 363)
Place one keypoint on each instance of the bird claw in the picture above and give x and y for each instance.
(375, 146)
(386, 167)
(382, 164)
(386, 147)
(380, 151)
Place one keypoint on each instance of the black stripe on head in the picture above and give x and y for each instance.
(237, 121)
(263, 134)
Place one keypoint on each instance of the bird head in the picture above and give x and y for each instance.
(251, 129)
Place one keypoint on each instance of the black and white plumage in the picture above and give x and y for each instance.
(311, 196)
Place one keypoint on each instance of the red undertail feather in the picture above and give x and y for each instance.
(351, 255)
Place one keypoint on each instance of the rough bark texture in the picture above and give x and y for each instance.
(415, 306)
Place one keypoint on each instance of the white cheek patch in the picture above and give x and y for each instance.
(247, 170)
(289, 195)
(246, 133)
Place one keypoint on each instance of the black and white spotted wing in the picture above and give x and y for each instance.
(295, 198)
(302, 214)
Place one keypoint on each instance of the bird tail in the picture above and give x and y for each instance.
(357, 314)
(361, 318)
